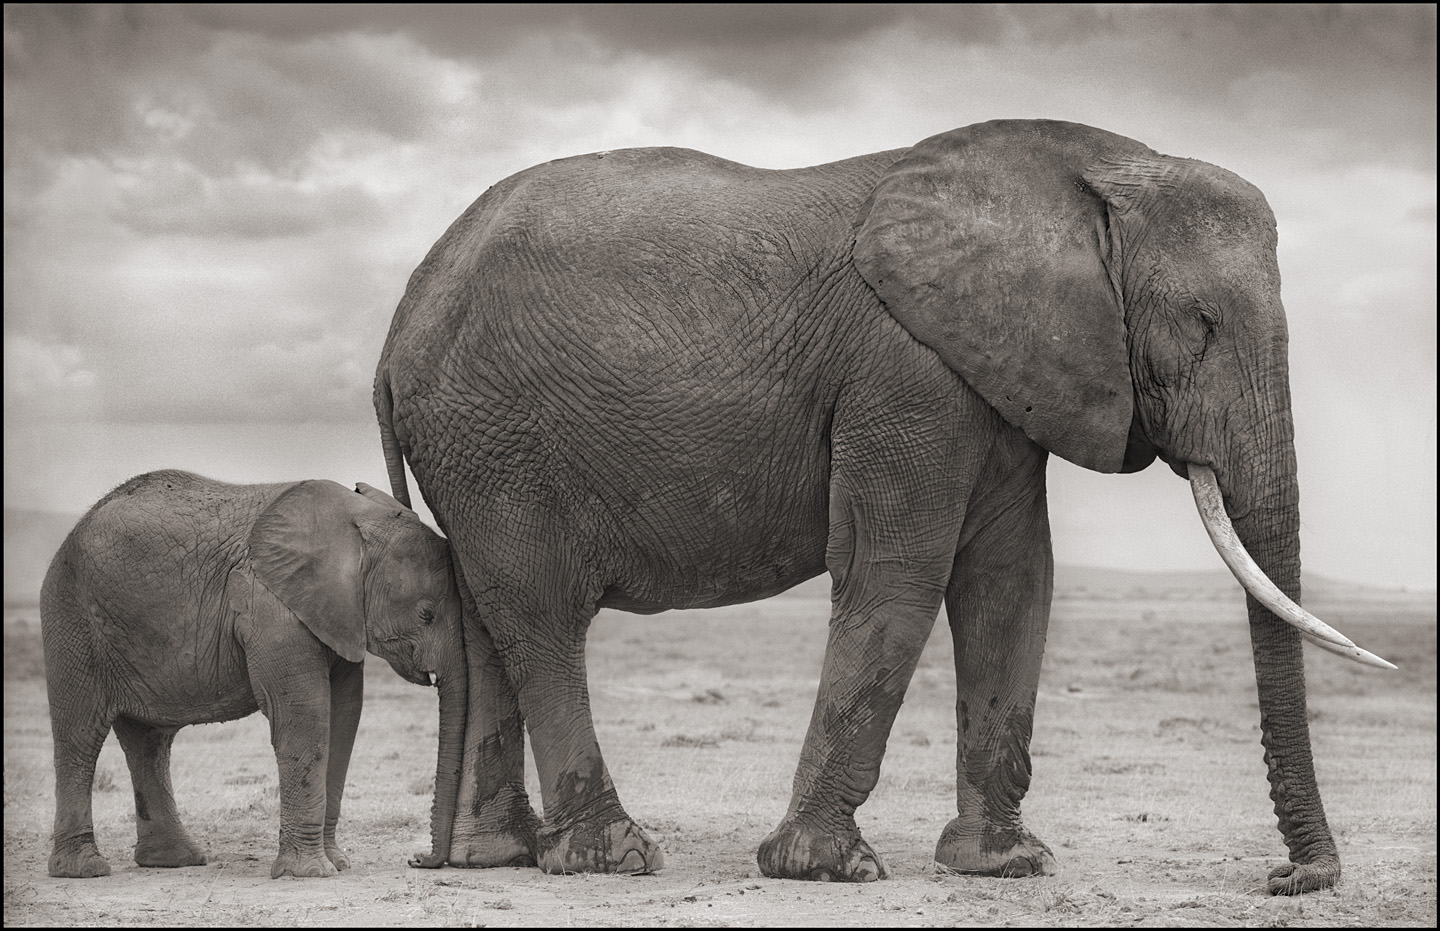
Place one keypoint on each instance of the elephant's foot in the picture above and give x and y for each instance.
(501, 833)
(1295, 878)
(795, 850)
(619, 846)
(292, 862)
(168, 850)
(986, 850)
(78, 860)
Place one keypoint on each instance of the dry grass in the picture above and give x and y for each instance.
(1148, 785)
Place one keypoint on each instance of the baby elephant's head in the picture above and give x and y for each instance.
(412, 604)
(363, 572)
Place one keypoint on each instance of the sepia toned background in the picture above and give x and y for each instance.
(212, 210)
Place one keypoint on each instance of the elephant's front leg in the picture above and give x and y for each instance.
(291, 679)
(494, 823)
(347, 698)
(890, 562)
(999, 607)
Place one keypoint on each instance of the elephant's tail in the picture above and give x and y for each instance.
(394, 457)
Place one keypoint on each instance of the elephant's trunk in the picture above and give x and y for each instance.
(1262, 499)
(453, 685)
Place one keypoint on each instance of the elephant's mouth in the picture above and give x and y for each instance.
(1139, 451)
(1222, 534)
(1179, 466)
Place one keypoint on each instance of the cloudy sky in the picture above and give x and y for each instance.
(211, 211)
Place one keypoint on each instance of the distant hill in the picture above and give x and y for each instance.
(1203, 585)
(1208, 584)
(31, 539)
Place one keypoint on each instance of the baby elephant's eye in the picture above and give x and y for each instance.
(427, 614)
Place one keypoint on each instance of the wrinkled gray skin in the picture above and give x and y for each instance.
(181, 600)
(652, 379)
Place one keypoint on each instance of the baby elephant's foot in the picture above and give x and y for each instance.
(168, 851)
(989, 851)
(337, 857)
(78, 860)
(801, 851)
(292, 862)
(619, 846)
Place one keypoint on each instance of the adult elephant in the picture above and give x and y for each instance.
(652, 378)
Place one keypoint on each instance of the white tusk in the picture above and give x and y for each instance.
(1256, 582)
(432, 678)
(1350, 652)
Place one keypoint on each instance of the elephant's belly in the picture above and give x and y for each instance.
(174, 683)
(713, 543)
(736, 586)
(179, 703)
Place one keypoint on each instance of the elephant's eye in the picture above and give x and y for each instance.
(1209, 315)
(427, 614)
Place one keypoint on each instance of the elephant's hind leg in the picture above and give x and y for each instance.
(999, 607)
(79, 729)
(80, 719)
(539, 631)
(585, 828)
(161, 840)
(494, 823)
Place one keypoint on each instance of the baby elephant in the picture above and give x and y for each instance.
(182, 600)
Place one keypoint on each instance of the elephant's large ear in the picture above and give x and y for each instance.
(988, 246)
(306, 548)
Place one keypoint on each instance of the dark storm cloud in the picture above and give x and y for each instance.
(459, 31)
(111, 81)
(262, 84)
(1363, 74)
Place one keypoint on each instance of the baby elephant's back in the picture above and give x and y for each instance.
(152, 557)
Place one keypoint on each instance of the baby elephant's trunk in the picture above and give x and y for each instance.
(453, 687)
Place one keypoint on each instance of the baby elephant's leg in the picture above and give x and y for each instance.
(347, 687)
(161, 839)
(79, 726)
(291, 678)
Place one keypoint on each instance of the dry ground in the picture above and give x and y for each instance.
(1148, 785)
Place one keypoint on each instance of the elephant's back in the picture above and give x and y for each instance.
(135, 606)
(155, 548)
(618, 255)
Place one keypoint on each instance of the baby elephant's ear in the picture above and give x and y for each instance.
(378, 496)
(306, 548)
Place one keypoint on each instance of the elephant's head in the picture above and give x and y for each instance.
(1114, 304)
(363, 572)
